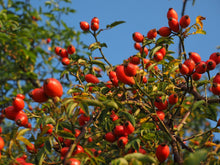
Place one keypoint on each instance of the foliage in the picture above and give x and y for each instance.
(89, 108)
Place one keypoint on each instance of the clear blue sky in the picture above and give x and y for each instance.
(141, 16)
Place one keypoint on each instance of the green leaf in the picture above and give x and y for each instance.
(198, 104)
(94, 46)
(70, 108)
(66, 134)
(115, 24)
(154, 50)
(49, 120)
(85, 108)
(111, 103)
(64, 24)
(22, 132)
(48, 3)
(152, 79)
(173, 69)
(135, 144)
(151, 67)
(135, 162)
(40, 156)
(48, 146)
(103, 45)
(119, 161)
(99, 63)
(196, 158)
(211, 112)
(40, 140)
(169, 57)
(14, 133)
(24, 140)
(128, 116)
(67, 101)
(74, 90)
(92, 102)
(202, 82)
(63, 73)
(148, 125)
(158, 93)
(141, 157)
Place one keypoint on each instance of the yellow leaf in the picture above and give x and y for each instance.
(144, 120)
(154, 88)
(50, 58)
(22, 132)
(199, 20)
(198, 26)
(24, 140)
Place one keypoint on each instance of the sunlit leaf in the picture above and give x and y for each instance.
(22, 132)
(119, 161)
(70, 108)
(94, 46)
(111, 103)
(24, 140)
(141, 157)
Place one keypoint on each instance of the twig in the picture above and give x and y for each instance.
(201, 134)
(100, 50)
(184, 146)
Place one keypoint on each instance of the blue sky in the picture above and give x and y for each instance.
(142, 16)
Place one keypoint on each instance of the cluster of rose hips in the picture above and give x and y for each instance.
(196, 67)
(51, 88)
(120, 134)
(165, 31)
(64, 53)
(94, 25)
(173, 23)
(22, 160)
(15, 111)
(163, 105)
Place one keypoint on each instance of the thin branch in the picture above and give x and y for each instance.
(182, 13)
(100, 50)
